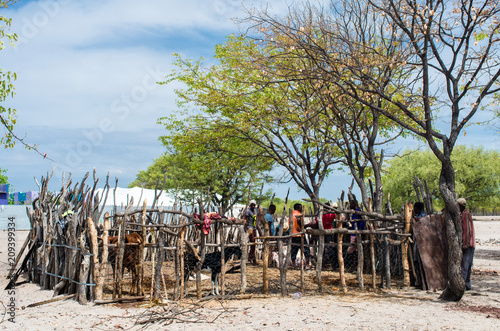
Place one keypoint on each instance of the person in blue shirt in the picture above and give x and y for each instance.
(270, 219)
(357, 223)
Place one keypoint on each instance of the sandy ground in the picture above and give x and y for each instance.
(396, 309)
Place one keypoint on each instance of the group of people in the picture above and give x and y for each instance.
(357, 223)
(250, 216)
(328, 220)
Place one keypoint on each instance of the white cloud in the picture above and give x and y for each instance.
(86, 91)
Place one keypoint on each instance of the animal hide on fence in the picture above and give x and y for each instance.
(430, 235)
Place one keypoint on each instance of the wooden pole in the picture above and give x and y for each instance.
(372, 257)
(104, 259)
(321, 250)
(119, 258)
(302, 237)
(202, 250)
(265, 254)
(140, 266)
(282, 263)
(244, 258)
(289, 247)
(159, 261)
(340, 257)
(387, 261)
(84, 272)
(223, 257)
(404, 245)
(95, 253)
(361, 261)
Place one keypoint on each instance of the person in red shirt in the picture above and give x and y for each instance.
(329, 223)
(468, 242)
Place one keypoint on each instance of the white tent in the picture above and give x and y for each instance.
(124, 195)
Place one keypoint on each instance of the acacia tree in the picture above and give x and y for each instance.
(360, 129)
(194, 164)
(359, 139)
(454, 54)
(279, 117)
(447, 57)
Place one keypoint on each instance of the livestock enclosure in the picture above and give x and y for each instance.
(74, 250)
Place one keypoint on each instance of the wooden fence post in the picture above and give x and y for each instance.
(244, 258)
(202, 251)
(140, 266)
(104, 259)
(84, 271)
(95, 256)
(265, 253)
(119, 258)
(404, 245)
(340, 257)
(160, 253)
(361, 261)
(321, 249)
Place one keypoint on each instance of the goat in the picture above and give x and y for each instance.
(275, 260)
(212, 262)
(130, 256)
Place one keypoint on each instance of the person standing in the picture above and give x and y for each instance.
(356, 223)
(468, 242)
(270, 219)
(329, 219)
(296, 242)
(250, 227)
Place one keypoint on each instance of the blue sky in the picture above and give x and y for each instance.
(86, 92)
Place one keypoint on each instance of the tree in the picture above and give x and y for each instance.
(447, 57)
(361, 130)
(7, 115)
(477, 176)
(196, 163)
(280, 119)
(454, 53)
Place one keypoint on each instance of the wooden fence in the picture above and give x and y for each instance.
(69, 250)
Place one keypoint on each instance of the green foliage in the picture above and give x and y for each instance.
(198, 161)
(477, 174)
(3, 178)
(7, 115)
(243, 105)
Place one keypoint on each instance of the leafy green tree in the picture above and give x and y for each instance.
(278, 117)
(3, 178)
(7, 114)
(448, 57)
(197, 163)
(477, 176)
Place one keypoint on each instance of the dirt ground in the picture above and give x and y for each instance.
(393, 309)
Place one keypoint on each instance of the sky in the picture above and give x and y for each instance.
(86, 92)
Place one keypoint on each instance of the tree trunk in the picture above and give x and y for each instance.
(456, 285)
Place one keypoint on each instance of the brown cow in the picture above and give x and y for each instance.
(130, 257)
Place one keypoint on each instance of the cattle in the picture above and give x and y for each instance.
(130, 256)
(212, 262)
